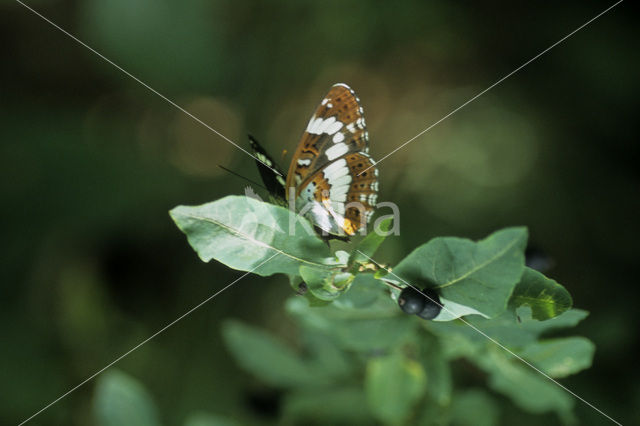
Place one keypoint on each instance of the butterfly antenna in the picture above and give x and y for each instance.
(242, 177)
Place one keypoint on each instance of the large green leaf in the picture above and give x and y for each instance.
(369, 244)
(480, 275)
(460, 339)
(519, 334)
(527, 388)
(545, 297)
(326, 357)
(121, 400)
(393, 385)
(374, 328)
(561, 357)
(268, 359)
(250, 235)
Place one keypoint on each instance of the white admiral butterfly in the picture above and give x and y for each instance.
(332, 179)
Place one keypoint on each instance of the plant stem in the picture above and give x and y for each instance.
(390, 284)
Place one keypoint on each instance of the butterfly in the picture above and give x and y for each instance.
(332, 180)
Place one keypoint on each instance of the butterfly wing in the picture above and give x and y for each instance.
(336, 128)
(341, 197)
(332, 188)
(270, 173)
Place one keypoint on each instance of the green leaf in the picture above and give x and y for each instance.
(570, 318)
(369, 244)
(366, 294)
(326, 284)
(266, 358)
(341, 257)
(245, 234)
(296, 284)
(393, 385)
(460, 339)
(545, 297)
(314, 301)
(452, 310)
(377, 328)
(438, 372)
(332, 406)
(474, 407)
(326, 357)
(527, 388)
(120, 400)
(366, 298)
(560, 357)
(480, 275)
(206, 419)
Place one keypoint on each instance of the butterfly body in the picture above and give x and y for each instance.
(331, 180)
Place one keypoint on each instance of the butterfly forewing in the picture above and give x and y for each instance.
(335, 129)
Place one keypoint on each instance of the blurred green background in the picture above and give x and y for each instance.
(91, 162)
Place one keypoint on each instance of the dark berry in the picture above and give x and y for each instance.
(411, 301)
(432, 306)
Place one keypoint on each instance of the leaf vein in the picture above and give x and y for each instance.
(482, 265)
(255, 241)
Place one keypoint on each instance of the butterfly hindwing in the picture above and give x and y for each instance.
(363, 192)
(340, 197)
